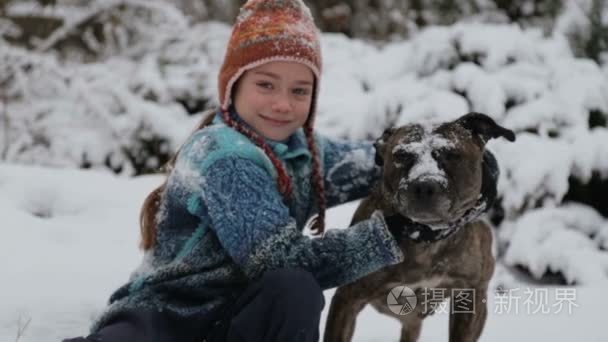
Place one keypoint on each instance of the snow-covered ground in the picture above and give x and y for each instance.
(69, 238)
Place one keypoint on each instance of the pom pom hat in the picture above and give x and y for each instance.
(267, 31)
(275, 31)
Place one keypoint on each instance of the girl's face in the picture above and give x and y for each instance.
(275, 98)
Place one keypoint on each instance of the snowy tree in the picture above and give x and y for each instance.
(110, 87)
(585, 22)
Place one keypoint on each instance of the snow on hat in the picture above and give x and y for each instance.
(267, 31)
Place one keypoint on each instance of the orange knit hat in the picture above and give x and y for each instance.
(267, 31)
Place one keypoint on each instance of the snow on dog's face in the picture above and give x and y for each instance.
(433, 174)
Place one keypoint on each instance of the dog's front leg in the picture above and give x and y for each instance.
(342, 315)
(467, 325)
(410, 329)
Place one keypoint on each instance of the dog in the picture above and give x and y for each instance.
(432, 175)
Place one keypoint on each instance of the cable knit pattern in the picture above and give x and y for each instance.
(222, 223)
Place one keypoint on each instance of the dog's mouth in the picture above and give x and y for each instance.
(440, 220)
(435, 212)
(432, 222)
(428, 217)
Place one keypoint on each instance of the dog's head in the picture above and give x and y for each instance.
(433, 174)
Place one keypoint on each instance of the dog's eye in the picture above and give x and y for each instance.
(403, 157)
(448, 156)
(402, 154)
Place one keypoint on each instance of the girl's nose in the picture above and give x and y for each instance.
(281, 104)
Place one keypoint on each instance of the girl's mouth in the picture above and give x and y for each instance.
(274, 122)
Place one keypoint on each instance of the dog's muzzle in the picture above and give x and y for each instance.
(424, 200)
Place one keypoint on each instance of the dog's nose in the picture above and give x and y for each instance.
(426, 190)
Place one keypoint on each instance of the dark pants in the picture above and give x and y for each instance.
(284, 305)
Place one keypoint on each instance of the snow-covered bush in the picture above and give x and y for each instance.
(570, 240)
(87, 115)
(585, 23)
(126, 108)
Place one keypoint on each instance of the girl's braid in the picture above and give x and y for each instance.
(318, 222)
(284, 182)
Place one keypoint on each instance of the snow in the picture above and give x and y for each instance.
(513, 45)
(485, 91)
(537, 168)
(532, 168)
(425, 167)
(61, 228)
(59, 270)
(558, 239)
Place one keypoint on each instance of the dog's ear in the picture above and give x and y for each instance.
(485, 127)
(380, 143)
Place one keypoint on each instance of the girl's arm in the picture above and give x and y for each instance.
(349, 169)
(254, 226)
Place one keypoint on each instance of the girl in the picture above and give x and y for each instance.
(225, 257)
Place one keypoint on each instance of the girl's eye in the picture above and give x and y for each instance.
(301, 91)
(265, 85)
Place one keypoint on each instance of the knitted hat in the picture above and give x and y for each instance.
(267, 31)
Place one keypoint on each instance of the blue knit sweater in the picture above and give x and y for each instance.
(222, 223)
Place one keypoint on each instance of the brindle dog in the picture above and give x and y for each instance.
(432, 175)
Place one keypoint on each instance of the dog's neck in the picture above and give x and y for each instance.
(422, 233)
